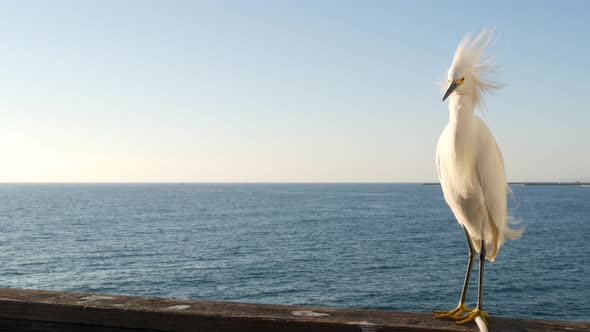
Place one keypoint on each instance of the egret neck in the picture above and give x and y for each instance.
(462, 124)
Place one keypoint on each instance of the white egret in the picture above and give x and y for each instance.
(471, 168)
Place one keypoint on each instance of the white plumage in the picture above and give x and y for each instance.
(469, 162)
(471, 168)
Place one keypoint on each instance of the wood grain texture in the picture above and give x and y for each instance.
(39, 310)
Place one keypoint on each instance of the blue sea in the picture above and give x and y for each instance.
(375, 246)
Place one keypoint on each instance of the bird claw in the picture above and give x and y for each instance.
(453, 314)
(469, 317)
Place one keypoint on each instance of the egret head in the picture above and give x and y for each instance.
(459, 81)
(467, 74)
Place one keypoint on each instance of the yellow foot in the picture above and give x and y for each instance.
(454, 314)
(460, 320)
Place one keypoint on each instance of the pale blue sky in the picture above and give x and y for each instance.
(279, 91)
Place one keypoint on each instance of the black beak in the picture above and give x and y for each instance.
(450, 90)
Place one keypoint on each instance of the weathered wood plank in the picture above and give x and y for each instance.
(39, 310)
(9, 325)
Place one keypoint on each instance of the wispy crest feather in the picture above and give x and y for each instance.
(470, 55)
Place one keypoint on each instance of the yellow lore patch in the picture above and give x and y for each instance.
(459, 81)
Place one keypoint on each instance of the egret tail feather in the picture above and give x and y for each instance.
(513, 234)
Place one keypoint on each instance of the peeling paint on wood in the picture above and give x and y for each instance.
(179, 307)
(309, 313)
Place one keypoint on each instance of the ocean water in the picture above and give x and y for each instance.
(376, 246)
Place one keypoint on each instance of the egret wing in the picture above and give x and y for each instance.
(492, 178)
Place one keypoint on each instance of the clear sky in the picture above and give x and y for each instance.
(280, 91)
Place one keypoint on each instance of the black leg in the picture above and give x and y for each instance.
(457, 312)
(478, 312)
(469, 267)
(472, 314)
(482, 259)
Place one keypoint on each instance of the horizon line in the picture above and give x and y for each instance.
(273, 182)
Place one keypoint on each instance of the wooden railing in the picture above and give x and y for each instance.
(39, 310)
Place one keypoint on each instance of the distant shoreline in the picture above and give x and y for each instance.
(530, 183)
(579, 183)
